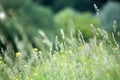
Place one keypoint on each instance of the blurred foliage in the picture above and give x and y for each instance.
(39, 17)
(96, 60)
(12, 31)
(26, 53)
(36, 15)
(23, 17)
(14, 4)
(70, 20)
(30, 13)
(8, 30)
(111, 12)
(81, 5)
(111, 18)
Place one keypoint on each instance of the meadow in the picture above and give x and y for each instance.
(70, 59)
(37, 44)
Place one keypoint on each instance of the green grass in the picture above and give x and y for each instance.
(70, 60)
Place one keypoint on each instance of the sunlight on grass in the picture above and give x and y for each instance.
(71, 59)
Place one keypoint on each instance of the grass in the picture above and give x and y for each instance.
(71, 59)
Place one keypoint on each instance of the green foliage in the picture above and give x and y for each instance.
(36, 15)
(62, 3)
(81, 5)
(111, 18)
(26, 20)
(11, 28)
(39, 17)
(69, 19)
(96, 60)
(15, 4)
(109, 13)
(29, 54)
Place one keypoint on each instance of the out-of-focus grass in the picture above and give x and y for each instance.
(37, 58)
(70, 60)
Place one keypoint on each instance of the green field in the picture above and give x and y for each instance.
(71, 59)
(59, 40)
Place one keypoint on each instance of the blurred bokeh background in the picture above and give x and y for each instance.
(24, 18)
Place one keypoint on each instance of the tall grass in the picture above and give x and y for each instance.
(71, 59)
(68, 58)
